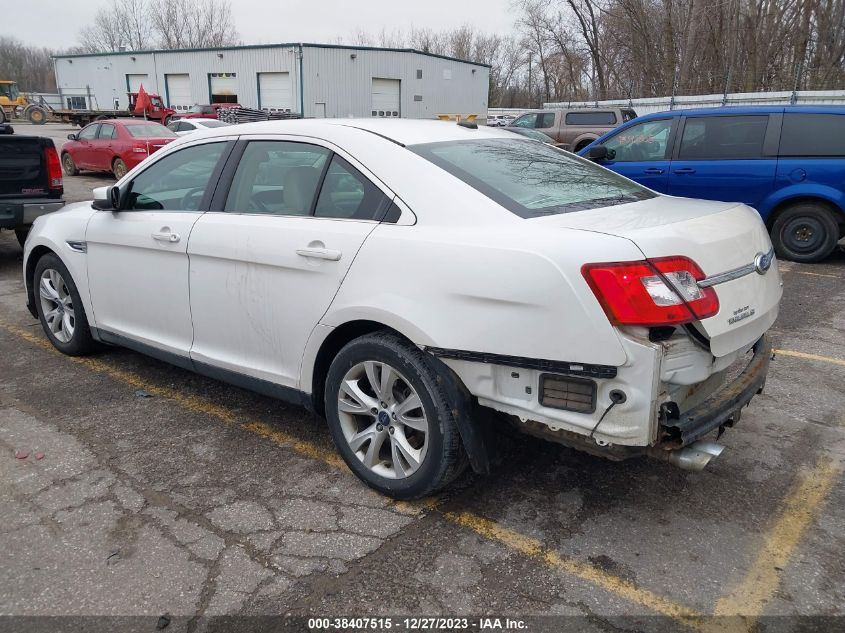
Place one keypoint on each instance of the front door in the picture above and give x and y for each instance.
(84, 154)
(722, 158)
(266, 267)
(137, 257)
(641, 152)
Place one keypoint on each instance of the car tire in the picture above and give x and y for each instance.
(806, 232)
(402, 441)
(65, 326)
(22, 234)
(69, 165)
(118, 168)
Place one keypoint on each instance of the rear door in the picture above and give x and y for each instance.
(642, 152)
(266, 264)
(727, 158)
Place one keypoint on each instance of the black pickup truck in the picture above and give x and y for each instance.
(30, 180)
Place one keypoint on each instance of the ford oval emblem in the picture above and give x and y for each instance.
(762, 263)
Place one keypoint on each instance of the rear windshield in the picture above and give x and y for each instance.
(531, 179)
(153, 130)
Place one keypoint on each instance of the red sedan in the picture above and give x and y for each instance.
(115, 145)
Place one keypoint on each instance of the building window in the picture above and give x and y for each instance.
(419, 74)
(76, 103)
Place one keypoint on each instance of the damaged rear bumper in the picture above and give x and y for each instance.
(722, 409)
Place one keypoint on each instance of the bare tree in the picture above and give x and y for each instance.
(169, 24)
(30, 66)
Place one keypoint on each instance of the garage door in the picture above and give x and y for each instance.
(178, 92)
(133, 82)
(274, 91)
(385, 97)
(224, 87)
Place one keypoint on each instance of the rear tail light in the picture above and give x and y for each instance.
(653, 292)
(140, 149)
(54, 169)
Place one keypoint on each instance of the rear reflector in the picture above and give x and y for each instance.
(565, 392)
(654, 292)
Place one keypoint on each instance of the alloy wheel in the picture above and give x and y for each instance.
(383, 419)
(57, 305)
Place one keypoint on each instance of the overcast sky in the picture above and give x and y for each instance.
(55, 23)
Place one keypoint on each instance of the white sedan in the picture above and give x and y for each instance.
(408, 280)
(183, 127)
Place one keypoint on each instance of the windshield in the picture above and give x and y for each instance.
(536, 135)
(213, 123)
(531, 179)
(153, 130)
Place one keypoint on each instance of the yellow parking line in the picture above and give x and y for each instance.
(484, 527)
(799, 510)
(805, 356)
(535, 549)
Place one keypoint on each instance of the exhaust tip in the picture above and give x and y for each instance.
(694, 457)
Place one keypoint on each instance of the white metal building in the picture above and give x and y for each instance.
(317, 80)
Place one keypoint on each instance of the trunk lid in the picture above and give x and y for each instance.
(720, 237)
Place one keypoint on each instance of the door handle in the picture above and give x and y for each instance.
(653, 170)
(168, 237)
(684, 170)
(319, 253)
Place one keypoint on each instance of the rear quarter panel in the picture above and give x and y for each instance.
(822, 178)
(497, 290)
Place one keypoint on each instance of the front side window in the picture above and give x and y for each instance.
(151, 130)
(643, 142)
(346, 193)
(177, 182)
(813, 135)
(531, 179)
(89, 133)
(723, 137)
(526, 120)
(277, 177)
(591, 118)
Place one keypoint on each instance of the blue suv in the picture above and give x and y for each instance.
(786, 162)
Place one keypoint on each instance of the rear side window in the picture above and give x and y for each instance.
(107, 132)
(546, 120)
(590, 117)
(277, 177)
(812, 135)
(347, 194)
(723, 137)
(531, 179)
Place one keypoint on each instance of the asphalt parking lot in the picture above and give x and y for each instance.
(148, 490)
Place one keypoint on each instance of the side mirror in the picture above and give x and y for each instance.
(107, 198)
(598, 153)
(72, 137)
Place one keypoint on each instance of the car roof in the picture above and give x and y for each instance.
(401, 131)
(128, 120)
(738, 110)
(199, 119)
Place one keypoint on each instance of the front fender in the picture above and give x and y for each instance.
(52, 233)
